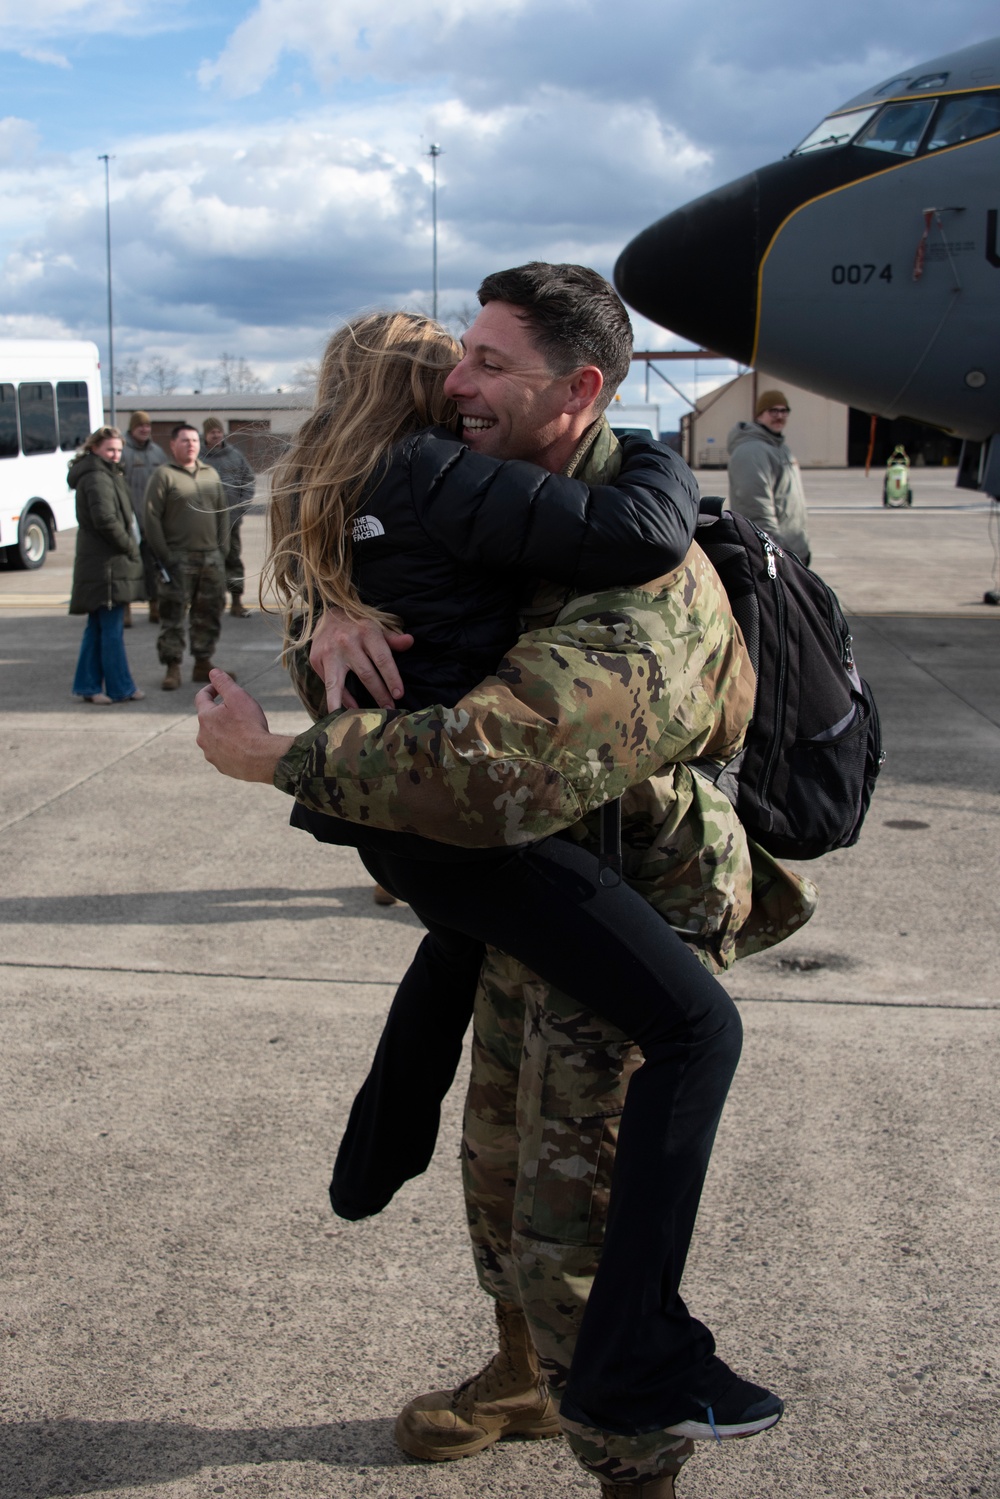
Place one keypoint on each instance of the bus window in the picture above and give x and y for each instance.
(8, 423)
(38, 418)
(74, 414)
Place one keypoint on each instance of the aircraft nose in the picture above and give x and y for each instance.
(695, 271)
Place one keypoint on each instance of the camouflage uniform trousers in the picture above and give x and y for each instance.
(196, 591)
(235, 576)
(541, 1125)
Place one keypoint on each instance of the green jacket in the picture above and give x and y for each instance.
(185, 512)
(609, 698)
(106, 566)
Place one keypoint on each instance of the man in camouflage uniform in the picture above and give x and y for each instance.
(238, 482)
(606, 695)
(187, 529)
(141, 456)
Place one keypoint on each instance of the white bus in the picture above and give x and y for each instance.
(50, 400)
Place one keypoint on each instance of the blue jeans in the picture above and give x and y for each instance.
(102, 665)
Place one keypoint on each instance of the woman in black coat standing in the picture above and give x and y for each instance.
(107, 571)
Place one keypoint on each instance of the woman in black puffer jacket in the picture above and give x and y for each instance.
(107, 571)
(379, 510)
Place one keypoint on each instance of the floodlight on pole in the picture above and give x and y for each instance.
(111, 336)
(434, 152)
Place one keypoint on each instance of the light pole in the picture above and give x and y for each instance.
(434, 153)
(111, 338)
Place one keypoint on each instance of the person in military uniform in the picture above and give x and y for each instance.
(765, 482)
(140, 457)
(238, 482)
(605, 693)
(187, 529)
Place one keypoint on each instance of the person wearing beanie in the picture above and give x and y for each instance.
(141, 456)
(238, 482)
(765, 483)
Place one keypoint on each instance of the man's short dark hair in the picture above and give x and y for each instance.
(576, 316)
(184, 427)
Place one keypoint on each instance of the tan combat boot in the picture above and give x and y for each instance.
(645, 1488)
(507, 1399)
(172, 680)
(237, 610)
(202, 667)
(154, 612)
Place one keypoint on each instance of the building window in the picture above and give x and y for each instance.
(73, 404)
(9, 447)
(37, 408)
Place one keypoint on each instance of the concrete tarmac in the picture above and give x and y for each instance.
(190, 991)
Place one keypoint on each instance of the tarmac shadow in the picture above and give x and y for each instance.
(196, 907)
(41, 1459)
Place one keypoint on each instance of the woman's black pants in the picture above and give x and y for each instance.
(640, 1357)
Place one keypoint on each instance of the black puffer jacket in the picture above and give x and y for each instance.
(106, 566)
(449, 540)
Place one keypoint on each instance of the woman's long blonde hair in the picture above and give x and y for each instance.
(381, 379)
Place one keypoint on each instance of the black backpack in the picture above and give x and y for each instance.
(804, 779)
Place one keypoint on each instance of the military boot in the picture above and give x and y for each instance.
(154, 612)
(661, 1487)
(646, 1488)
(172, 680)
(202, 667)
(237, 610)
(506, 1399)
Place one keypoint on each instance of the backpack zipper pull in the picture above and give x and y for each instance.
(849, 652)
(772, 566)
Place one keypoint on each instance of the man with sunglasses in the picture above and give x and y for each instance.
(765, 483)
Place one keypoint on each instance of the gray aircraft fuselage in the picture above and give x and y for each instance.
(865, 265)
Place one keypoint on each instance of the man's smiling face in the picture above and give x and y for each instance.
(512, 405)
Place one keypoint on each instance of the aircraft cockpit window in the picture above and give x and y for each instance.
(898, 128)
(835, 130)
(965, 119)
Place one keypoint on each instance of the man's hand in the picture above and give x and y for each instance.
(341, 645)
(233, 733)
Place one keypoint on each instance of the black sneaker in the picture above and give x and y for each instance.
(741, 1411)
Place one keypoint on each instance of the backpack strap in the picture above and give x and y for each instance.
(609, 859)
(710, 509)
(723, 774)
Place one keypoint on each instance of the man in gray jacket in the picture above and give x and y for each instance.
(238, 482)
(765, 483)
(140, 456)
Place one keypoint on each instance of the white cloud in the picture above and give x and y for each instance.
(350, 37)
(48, 59)
(295, 223)
(18, 141)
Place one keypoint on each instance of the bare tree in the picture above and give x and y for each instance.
(235, 375)
(461, 318)
(161, 375)
(456, 319)
(305, 376)
(128, 377)
(201, 378)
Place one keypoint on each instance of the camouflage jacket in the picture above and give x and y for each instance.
(608, 698)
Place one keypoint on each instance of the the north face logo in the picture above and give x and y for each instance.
(366, 527)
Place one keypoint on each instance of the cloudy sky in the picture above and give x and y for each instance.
(270, 173)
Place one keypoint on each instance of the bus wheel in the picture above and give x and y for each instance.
(32, 542)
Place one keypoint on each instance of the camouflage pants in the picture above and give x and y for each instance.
(235, 578)
(196, 592)
(541, 1124)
